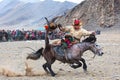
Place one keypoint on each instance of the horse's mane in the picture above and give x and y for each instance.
(90, 39)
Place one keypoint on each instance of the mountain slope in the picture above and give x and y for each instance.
(16, 12)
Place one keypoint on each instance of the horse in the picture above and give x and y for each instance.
(72, 55)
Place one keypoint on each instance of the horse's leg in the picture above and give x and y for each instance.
(84, 64)
(45, 68)
(50, 69)
(77, 65)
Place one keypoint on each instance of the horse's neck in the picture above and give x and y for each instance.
(84, 46)
(46, 38)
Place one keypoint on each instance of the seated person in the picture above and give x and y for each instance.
(76, 31)
(67, 42)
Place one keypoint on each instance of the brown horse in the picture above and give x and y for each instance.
(73, 55)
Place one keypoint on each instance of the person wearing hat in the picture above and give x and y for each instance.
(76, 31)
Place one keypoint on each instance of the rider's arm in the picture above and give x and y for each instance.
(86, 33)
(64, 29)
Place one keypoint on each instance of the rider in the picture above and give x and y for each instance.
(76, 31)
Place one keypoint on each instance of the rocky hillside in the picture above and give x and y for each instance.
(94, 13)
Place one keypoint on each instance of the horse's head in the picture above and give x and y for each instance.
(96, 49)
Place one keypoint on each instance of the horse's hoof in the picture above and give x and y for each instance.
(74, 67)
(85, 71)
(53, 75)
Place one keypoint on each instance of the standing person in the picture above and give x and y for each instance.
(76, 31)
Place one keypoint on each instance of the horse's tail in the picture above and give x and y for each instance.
(35, 55)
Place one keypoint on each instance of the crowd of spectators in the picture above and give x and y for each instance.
(19, 35)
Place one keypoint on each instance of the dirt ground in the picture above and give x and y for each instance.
(106, 67)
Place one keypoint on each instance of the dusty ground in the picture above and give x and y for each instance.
(106, 67)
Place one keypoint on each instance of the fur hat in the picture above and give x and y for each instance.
(77, 22)
(53, 26)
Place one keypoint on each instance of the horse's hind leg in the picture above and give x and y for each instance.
(45, 68)
(48, 69)
(84, 64)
